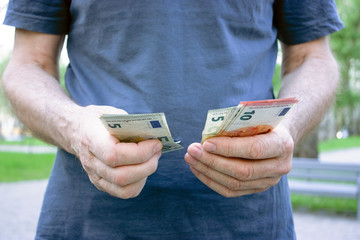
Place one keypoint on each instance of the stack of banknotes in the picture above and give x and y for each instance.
(246, 119)
(140, 127)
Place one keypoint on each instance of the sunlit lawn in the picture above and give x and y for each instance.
(25, 166)
(329, 205)
(336, 144)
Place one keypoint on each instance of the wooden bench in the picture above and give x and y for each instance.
(311, 177)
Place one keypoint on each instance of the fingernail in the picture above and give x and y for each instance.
(158, 147)
(209, 147)
(195, 151)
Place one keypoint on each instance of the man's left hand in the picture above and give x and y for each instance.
(240, 166)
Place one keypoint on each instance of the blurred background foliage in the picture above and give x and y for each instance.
(346, 46)
(343, 118)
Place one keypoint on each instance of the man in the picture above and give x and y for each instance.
(182, 58)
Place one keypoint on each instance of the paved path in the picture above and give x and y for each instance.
(27, 149)
(351, 155)
(310, 226)
(20, 205)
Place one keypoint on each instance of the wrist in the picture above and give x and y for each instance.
(73, 128)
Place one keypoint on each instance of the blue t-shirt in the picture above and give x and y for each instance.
(181, 57)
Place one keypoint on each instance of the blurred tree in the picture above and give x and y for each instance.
(346, 46)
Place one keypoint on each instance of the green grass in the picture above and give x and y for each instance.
(328, 205)
(25, 166)
(336, 144)
(277, 80)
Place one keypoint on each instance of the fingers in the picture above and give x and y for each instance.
(248, 188)
(233, 183)
(124, 181)
(239, 166)
(127, 174)
(121, 154)
(125, 192)
(120, 169)
(241, 169)
(233, 177)
(270, 145)
(97, 140)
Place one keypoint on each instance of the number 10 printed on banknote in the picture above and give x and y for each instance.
(246, 119)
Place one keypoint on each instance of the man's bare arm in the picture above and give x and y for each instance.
(31, 82)
(310, 73)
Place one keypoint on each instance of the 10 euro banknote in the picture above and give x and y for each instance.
(246, 119)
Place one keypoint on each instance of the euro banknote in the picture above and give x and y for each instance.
(140, 127)
(246, 119)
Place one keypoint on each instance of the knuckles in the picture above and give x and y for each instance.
(234, 184)
(274, 182)
(110, 158)
(128, 194)
(130, 191)
(256, 150)
(243, 172)
(87, 161)
(229, 194)
(120, 180)
(228, 149)
(285, 167)
(116, 156)
(211, 161)
(288, 145)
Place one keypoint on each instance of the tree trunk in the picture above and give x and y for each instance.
(308, 147)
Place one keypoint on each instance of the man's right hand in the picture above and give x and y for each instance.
(120, 169)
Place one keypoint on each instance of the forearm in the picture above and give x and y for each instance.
(313, 82)
(40, 102)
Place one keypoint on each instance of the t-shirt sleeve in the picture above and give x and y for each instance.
(46, 16)
(299, 21)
